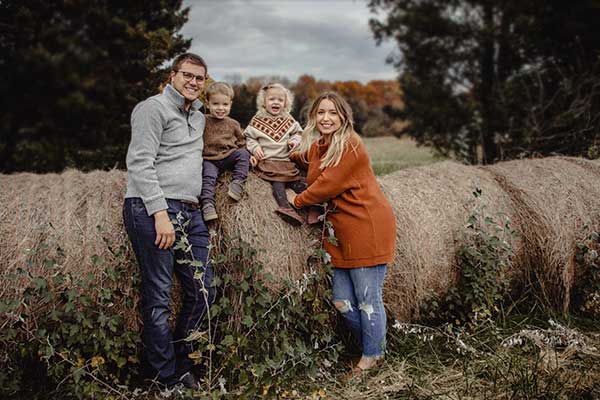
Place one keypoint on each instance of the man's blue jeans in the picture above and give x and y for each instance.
(358, 295)
(167, 353)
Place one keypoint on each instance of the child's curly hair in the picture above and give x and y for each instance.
(260, 97)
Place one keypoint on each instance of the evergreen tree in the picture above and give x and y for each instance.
(72, 72)
(466, 64)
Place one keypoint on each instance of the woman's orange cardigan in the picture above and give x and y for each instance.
(363, 220)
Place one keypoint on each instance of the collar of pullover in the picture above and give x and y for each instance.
(177, 98)
(265, 113)
(215, 120)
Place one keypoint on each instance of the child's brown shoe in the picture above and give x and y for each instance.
(236, 189)
(313, 215)
(209, 212)
(290, 215)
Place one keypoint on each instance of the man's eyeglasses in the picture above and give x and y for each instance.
(188, 76)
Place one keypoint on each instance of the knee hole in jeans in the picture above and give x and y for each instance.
(343, 306)
(367, 309)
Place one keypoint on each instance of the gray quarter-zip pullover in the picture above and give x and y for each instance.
(164, 158)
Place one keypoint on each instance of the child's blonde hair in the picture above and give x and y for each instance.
(219, 88)
(260, 97)
(339, 139)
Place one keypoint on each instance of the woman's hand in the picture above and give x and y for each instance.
(292, 144)
(291, 196)
(259, 154)
(165, 233)
(253, 161)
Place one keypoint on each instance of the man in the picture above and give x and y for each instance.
(164, 180)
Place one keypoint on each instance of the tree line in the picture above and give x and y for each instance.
(73, 71)
(479, 80)
(369, 101)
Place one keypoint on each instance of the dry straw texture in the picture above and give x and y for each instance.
(75, 217)
(432, 205)
(284, 250)
(556, 202)
(72, 218)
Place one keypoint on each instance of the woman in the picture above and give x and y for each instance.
(339, 172)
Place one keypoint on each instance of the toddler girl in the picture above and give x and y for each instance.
(270, 136)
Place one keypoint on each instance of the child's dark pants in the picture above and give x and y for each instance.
(279, 191)
(238, 162)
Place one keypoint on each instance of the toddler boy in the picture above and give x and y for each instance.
(224, 149)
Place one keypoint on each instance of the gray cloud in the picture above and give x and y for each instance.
(329, 39)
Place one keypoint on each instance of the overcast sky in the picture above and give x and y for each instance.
(329, 39)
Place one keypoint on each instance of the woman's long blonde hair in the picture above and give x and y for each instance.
(340, 139)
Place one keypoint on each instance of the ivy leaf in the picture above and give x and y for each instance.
(228, 340)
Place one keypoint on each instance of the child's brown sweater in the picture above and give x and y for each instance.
(221, 138)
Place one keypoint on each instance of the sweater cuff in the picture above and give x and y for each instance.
(155, 205)
(295, 139)
(296, 203)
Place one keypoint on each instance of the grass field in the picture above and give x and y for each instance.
(389, 154)
(519, 358)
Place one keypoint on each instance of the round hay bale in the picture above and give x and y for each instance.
(432, 205)
(556, 202)
(66, 217)
(75, 218)
(283, 249)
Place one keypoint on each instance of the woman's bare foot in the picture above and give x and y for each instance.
(369, 362)
(364, 364)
